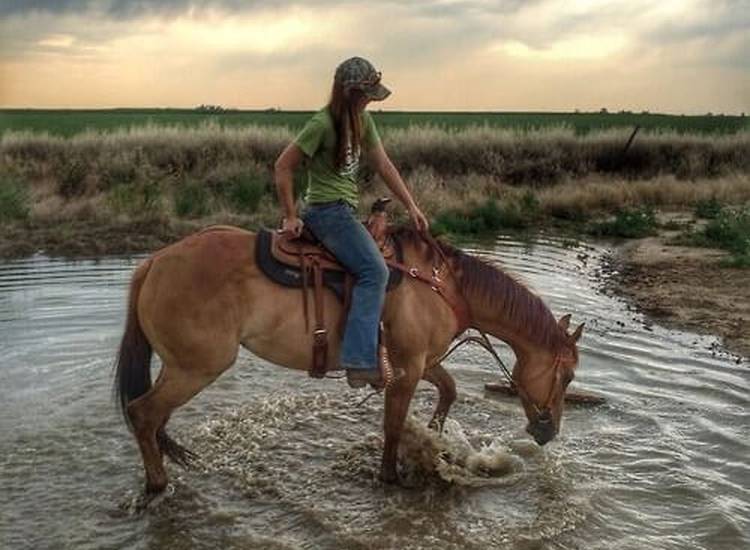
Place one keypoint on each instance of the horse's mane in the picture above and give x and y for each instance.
(486, 282)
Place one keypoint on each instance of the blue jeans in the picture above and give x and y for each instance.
(337, 227)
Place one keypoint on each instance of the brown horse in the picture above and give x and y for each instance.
(197, 301)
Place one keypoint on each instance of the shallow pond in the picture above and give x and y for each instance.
(290, 462)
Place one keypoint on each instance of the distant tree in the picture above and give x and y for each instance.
(203, 108)
(603, 110)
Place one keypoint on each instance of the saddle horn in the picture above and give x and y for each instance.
(379, 205)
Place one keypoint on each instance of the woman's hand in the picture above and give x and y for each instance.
(419, 219)
(292, 225)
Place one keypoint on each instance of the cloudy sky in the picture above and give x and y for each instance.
(677, 56)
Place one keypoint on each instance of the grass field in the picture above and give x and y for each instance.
(141, 179)
(71, 122)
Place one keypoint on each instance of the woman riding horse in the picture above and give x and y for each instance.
(195, 302)
(333, 140)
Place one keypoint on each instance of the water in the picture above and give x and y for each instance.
(290, 462)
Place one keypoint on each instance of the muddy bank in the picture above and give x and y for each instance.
(686, 287)
(86, 239)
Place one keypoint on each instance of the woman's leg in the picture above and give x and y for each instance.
(344, 235)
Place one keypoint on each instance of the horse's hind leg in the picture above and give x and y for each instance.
(446, 387)
(150, 412)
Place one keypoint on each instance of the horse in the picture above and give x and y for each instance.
(195, 302)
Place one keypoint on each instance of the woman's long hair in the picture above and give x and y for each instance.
(347, 121)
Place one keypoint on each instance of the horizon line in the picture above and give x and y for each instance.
(218, 109)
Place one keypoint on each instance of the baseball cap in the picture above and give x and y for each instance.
(356, 73)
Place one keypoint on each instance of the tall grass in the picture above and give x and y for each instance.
(135, 200)
(627, 223)
(470, 180)
(92, 161)
(730, 230)
(14, 200)
(727, 229)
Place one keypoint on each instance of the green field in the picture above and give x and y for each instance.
(70, 122)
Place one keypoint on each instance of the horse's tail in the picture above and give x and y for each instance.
(133, 366)
(133, 370)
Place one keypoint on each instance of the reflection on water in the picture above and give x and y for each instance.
(290, 462)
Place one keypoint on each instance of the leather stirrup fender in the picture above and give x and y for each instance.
(320, 335)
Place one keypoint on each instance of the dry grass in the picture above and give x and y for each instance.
(577, 200)
(94, 161)
(223, 174)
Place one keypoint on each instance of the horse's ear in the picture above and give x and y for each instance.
(564, 322)
(577, 332)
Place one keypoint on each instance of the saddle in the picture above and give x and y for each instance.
(303, 262)
(291, 250)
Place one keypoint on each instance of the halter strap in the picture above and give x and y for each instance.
(455, 300)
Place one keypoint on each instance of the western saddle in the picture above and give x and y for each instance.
(309, 255)
(304, 262)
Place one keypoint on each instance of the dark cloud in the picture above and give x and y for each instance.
(418, 32)
(137, 8)
(442, 9)
(125, 8)
(719, 24)
(719, 37)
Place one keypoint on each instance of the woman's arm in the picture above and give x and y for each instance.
(284, 168)
(384, 167)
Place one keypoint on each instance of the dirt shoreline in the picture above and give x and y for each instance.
(686, 287)
(79, 239)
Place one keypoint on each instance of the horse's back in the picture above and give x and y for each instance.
(194, 290)
(215, 249)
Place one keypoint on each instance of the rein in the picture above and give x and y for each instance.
(544, 414)
(460, 307)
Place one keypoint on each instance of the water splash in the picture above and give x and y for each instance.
(452, 457)
(250, 444)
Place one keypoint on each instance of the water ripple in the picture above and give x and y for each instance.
(290, 462)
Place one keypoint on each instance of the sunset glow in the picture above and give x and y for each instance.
(677, 56)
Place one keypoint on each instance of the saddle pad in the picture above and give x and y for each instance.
(289, 276)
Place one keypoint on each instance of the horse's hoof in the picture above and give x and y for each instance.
(389, 476)
(151, 498)
(155, 489)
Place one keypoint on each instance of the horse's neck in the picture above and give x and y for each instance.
(490, 318)
(520, 344)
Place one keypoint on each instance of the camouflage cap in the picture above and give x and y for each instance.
(356, 73)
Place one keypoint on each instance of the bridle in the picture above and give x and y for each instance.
(543, 413)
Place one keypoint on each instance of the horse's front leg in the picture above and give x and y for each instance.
(397, 400)
(446, 387)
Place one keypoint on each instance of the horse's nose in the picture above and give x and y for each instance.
(542, 432)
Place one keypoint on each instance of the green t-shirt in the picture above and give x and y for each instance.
(318, 141)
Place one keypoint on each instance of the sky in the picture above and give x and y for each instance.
(673, 56)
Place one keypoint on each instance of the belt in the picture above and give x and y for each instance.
(330, 203)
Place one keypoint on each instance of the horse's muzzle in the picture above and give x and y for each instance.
(542, 429)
